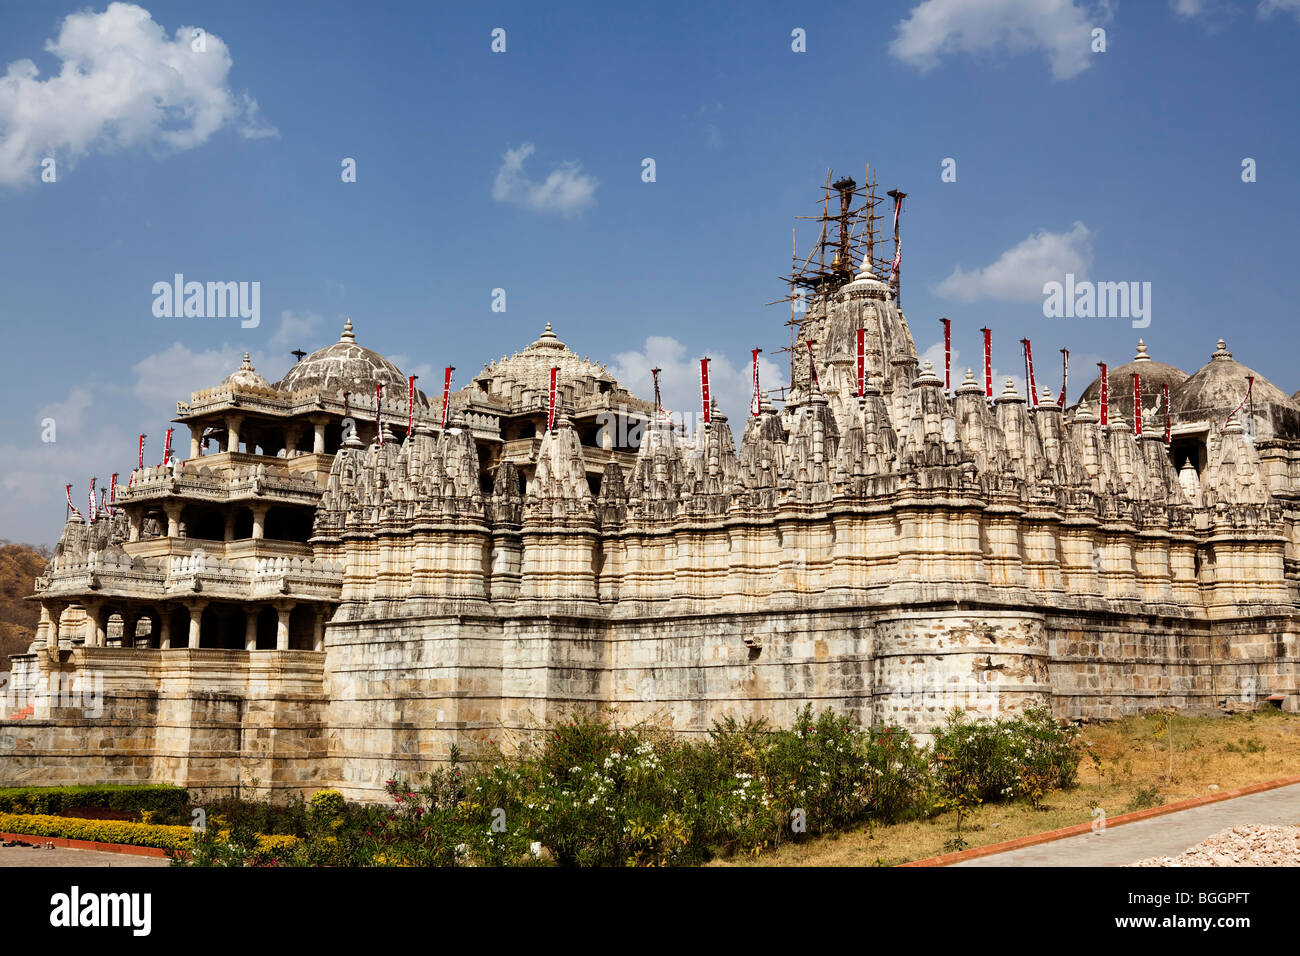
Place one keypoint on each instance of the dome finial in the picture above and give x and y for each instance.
(1142, 355)
(1222, 351)
(347, 335)
(247, 363)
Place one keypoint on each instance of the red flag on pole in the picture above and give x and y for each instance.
(112, 494)
(446, 393)
(1137, 405)
(379, 425)
(947, 354)
(167, 446)
(140, 457)
(988, 363)
(1105, 395)
(704, 390)
(550, 411)
(755, 403)
(1065, 375)
(1029, 373)
(68, 491)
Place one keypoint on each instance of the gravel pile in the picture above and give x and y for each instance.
(1239, 846)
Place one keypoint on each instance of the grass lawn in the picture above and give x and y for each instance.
(1226, 752)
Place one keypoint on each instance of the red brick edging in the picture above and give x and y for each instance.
(1079, 829)
(70, 844)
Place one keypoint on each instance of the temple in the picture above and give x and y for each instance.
(343, 579)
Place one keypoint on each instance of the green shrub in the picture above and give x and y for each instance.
(164, 801)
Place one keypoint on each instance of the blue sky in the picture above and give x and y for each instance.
(1123, 166)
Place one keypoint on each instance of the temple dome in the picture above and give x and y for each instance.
(245, 376)
(1219, 386)
(1155, 375)
(531, 368)
(344, 365)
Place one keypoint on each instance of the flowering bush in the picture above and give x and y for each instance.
(595, 794)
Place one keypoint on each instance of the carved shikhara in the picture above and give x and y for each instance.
(890, 555)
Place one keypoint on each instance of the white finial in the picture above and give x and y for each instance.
(347, 335)
(1142, 355)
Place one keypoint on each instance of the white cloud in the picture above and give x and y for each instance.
(1061, 28)
(166, 377)
(1269, 7)
(121, 83)
(68, 414)
(679, 381)
(567, 190)
(299, 330)
(1019, 273)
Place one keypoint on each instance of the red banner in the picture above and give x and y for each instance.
(550, 410)
(67, 490)
(1137, 405)
(704, 390)
(755, 403)
(988, 363)
(112, 494)
(1105, 395)
(947, 354)
(1029, 374)
(167, 446)
(446, 393)
(140, 457)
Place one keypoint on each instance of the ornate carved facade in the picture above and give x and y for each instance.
(330, 598)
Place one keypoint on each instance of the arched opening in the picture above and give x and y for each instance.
(266, 628)
(288, 524)
(179, 620)
(202, 521)
(302, 628)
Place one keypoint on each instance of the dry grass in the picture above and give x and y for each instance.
(1226, 752)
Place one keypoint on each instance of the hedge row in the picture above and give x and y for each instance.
(116, 831)
(162, 799)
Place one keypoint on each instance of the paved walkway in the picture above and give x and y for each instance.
(30, 856)
(1167, 835)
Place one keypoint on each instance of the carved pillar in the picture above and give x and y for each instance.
(318, 435)
(232, 431)
(134, 521)
(173, 510)
(251, 612)
(196, 439)
(259, 520)
(282, 610)
(196, 621)
(229, 533)
(164, 628)
(130, 621)
(54, 611)
(291, 435)
(95, 633)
